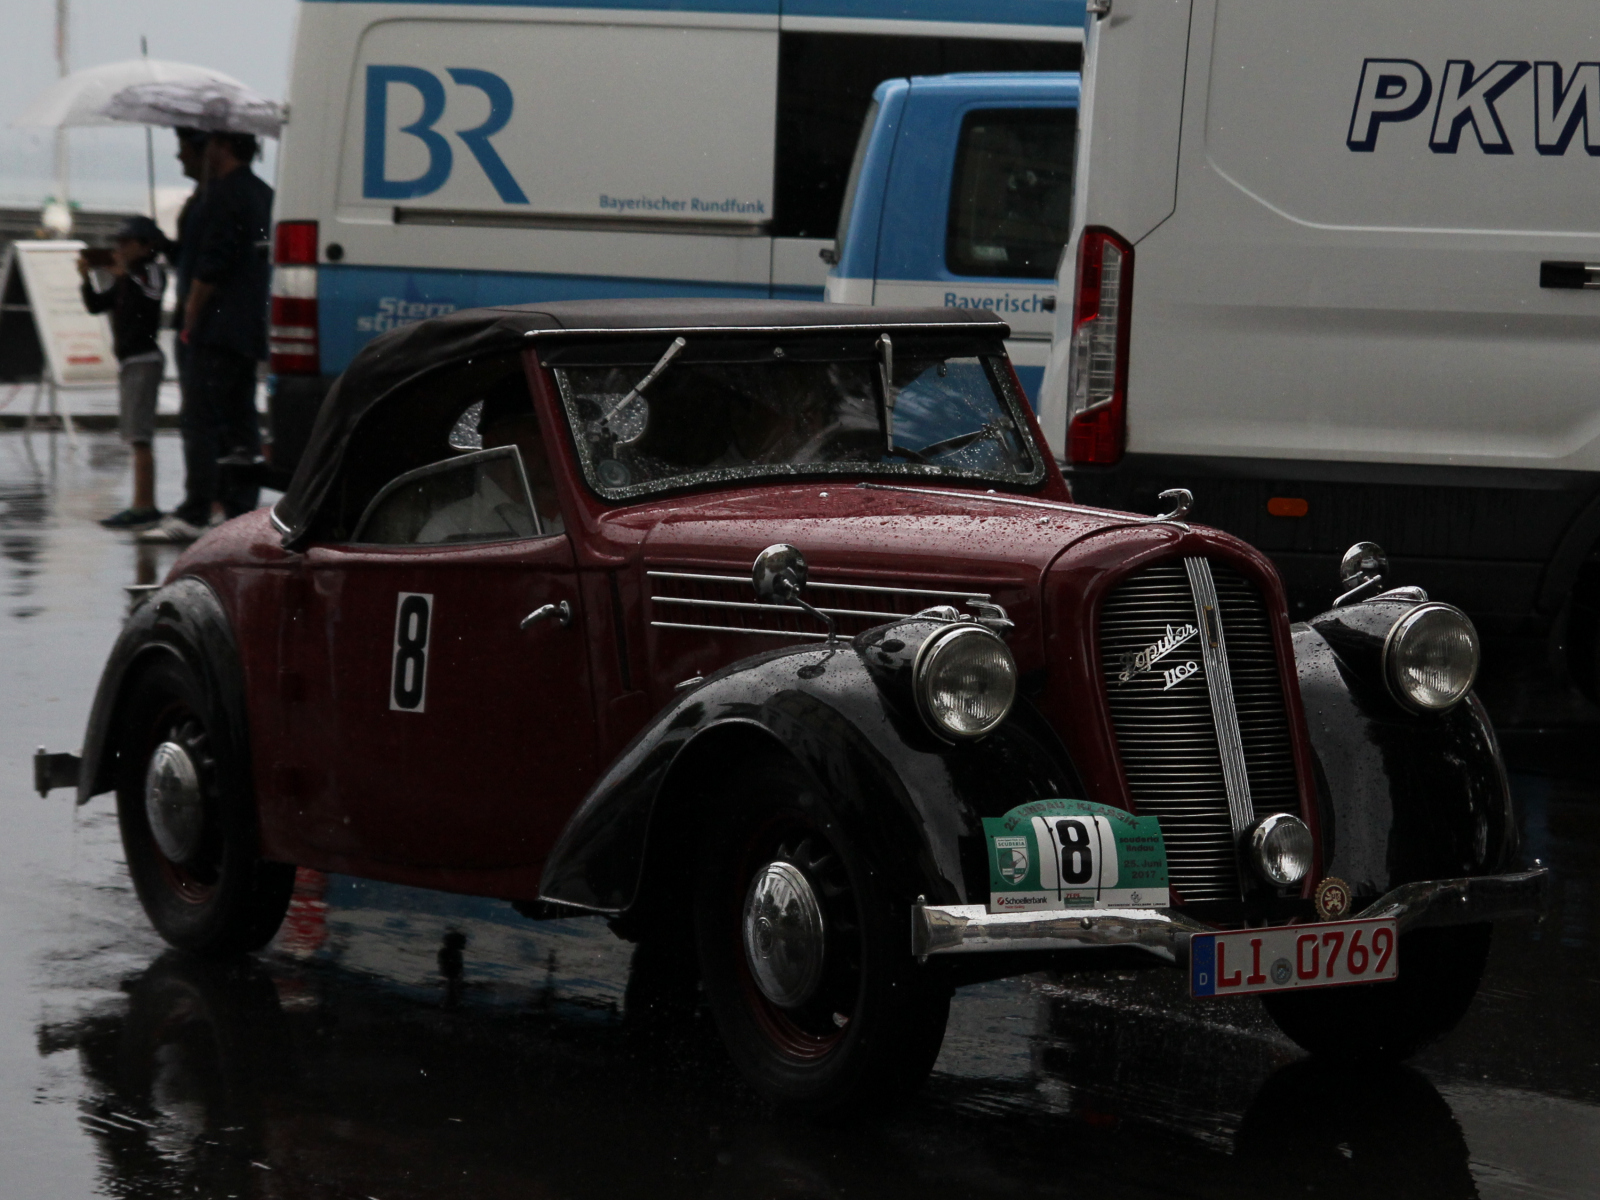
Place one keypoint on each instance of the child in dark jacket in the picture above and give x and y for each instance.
(134, 302)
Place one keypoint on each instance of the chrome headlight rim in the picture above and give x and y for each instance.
(921, 673)
(1260, 860)
(1389, 662)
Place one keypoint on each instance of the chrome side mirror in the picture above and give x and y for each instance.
(1361, 572)
(779, 575)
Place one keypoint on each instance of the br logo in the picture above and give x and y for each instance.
(375, 181)
(1394, 90)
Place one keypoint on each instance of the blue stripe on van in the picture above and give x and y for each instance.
(992, 12)
(1067, 13)
(358, 303)
(759, 7)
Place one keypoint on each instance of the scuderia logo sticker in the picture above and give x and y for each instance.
(1056, 854)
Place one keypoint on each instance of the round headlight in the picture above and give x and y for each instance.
(965, 681)
(1280, 849)
(1431, 657)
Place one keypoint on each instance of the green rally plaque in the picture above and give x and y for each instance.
(1054, 854)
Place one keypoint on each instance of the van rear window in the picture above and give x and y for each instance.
(1011, 199)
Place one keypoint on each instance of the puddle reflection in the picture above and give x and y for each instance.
(282, 1078)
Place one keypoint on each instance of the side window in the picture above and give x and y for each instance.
(480, 497)
(1011, 199)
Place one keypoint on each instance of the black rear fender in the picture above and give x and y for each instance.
(184, 619)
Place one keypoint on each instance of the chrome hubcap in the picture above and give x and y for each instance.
(173, 802)
(783, 934)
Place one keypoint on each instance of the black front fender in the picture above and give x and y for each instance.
(1403, 797)
(186, 619)
(915, 800)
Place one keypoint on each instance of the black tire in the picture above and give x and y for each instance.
(222, 899)
(1439, 974)
(870, 1031)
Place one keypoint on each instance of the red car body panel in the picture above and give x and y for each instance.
(472, 795)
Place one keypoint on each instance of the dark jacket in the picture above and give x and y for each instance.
(230, 253)
(134, 302)
(181, 251)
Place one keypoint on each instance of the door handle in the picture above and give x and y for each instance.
(562, 612)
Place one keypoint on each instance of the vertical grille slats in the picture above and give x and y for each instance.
(1166, 728)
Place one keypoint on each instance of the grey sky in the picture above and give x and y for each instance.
(248, 39)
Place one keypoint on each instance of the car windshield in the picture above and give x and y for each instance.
(693, 415)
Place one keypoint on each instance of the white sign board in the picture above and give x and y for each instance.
(76, 344)
(514, 117)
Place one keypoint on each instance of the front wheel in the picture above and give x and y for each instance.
(806, 954)
(1439, 974)
(188, 823)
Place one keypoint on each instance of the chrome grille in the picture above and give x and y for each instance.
(1162, 709)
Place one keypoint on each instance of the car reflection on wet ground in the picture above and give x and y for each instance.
(398, 1043)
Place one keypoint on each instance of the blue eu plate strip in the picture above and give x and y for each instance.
(1203, 964)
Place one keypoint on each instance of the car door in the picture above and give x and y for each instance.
(463, 733)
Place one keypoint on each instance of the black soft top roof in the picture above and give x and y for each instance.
(394, 359)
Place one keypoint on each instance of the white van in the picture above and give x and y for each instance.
(1329, 264)
(445, 155)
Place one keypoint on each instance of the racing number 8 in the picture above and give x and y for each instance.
(1077, 853)
(408, 687)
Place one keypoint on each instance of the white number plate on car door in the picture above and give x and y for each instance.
(1293, 956)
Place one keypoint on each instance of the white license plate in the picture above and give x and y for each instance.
(1293, 956)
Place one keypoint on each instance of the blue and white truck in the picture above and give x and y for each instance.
(961, 195)
(441, 155)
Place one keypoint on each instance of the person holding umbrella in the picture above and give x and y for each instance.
(222, 333)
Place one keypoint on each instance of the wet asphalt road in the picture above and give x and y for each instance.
(396, 1043)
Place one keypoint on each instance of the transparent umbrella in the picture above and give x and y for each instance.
(211, 104)
(81, 98)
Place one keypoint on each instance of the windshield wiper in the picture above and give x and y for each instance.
(886, 371)
(990, 431)
(633, 393)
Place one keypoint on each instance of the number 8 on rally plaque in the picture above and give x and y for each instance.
(1293, 956)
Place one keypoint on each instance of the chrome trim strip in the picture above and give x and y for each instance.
(1214, 650)
(1123, 518)
(753, 605)
(822, 583)
(820, 637)
(1165, 932)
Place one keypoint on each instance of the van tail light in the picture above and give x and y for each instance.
(1097, 379)
(293, 334)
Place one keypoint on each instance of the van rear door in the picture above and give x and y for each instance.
(1367, 196)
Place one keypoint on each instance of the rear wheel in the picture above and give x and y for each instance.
(1439, 974)
(188, 822)
(805, 954)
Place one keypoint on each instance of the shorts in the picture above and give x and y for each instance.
(138, 387)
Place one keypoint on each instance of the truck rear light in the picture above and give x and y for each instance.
(1097, 379)
(293, 332)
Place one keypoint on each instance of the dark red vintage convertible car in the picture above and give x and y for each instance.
(772, 633)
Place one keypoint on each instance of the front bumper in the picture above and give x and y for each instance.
(1165, 933)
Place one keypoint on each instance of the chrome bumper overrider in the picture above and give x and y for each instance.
(1165, 932)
